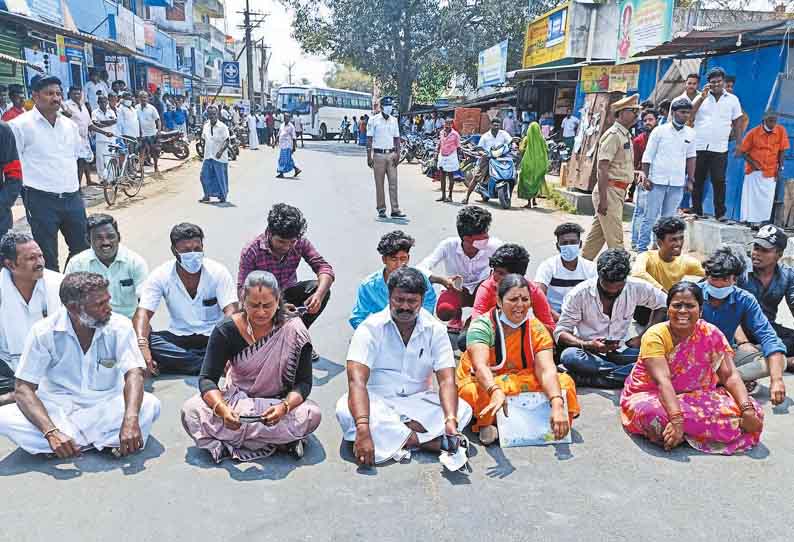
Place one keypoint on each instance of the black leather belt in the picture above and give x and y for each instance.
(57, 195)
(383, 151)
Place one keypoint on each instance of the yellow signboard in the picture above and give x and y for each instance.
(610, 78)
(547, 38)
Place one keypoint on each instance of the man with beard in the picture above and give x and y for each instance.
(595, 321)
(124, 269)
(391, 407)
(79, 384)
(28, 293)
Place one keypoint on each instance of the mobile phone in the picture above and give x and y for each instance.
(250, 419)
(612, 342)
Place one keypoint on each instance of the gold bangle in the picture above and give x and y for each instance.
(492, 388)
(556, 397)
(220, 402)
(286, 405)
(50, 432)
(451, 418)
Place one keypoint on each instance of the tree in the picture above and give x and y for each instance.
(411, 35)
(348, 78)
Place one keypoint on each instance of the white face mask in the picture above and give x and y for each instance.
(387, 109)
(480, 244)
(507, 321)
(191, 261)
(127, 103)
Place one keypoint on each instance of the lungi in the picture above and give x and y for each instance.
(102, 159)
(285, 161)
(215, 178)
(387, 417)
(449, 164)
(758, 196)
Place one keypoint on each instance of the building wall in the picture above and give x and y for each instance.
(158, 15)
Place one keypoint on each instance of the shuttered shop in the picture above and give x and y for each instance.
(10, 45)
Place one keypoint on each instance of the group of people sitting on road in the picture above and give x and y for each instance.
(75, 350)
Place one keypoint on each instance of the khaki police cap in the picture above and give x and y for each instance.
(629, 102)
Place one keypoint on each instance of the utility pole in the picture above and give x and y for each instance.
(290, 67)
(265, 61)
(248, 25)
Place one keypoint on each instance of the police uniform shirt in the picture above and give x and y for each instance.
(615, 146)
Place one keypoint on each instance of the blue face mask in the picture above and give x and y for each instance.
(569, 252)
(719, 293)
(507, 321)
(191, 261)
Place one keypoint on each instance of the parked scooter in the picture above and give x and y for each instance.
(501, 176)
(173, 142)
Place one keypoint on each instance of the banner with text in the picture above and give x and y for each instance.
(492, 66)
(643, 24)
(610, 78)
(546, 38)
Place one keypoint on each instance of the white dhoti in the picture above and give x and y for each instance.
(387, 417)
(758, 195)
(449, 164)
(97, 425)
(253, 138)
(102, 158)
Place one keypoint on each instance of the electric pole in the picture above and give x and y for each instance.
(265, 61)
(248, 26)
(290, 67)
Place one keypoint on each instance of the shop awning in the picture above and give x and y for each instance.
(517, 76)
(159, 3)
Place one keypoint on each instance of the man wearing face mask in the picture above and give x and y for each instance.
(127, 118)
(732, 309)
(199, 293)
(28, 293)
(557, 275)
(391, 408)
(494, 137)
(466, 262)
(595, 321)
(79, 383)
(383, 155)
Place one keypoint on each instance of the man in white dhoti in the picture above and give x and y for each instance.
(763, 149)
(28, 293)
(79, 383)
(391, 407)
(253, 138)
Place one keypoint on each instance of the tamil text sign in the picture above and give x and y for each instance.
(492, 66)
(610, 78)
(643, 24)
(546, 38)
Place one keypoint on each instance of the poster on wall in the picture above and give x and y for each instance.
(492, 66)
(610, 78)
(546, 38)
(117, 68)
(643, 24)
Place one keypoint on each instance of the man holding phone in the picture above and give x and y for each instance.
(595, 321)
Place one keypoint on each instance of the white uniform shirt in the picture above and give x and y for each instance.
(713, 122)
(216, 290)
(214, 138)
(559, 280)
(18, 316)
(667, 151)
(48, 153)
(99, 116)
(54, 360)
(450, 253)
(488, 141)
(569, 126)
(428, 126)
(91, 89)
(80, 116)
(148, 117)
(128, 124)
(383, 131)
(397, 368)
(583, 313)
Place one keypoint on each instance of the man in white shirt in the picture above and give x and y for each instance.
(595, 320)
(79, 384)
(668, 164)
(494, 137)
(428, 126)
(104, 118)
(199, 293)
(75, 109)
(690, 93)
(127, 115)
(92, 89)
(383, 155)
(215, 169)
(558, 275)
(509, 124)
(48, 146)
(391, 407)
(28, 293)
(149, 119)
(717, 114)
(466, 260)
(569, 126)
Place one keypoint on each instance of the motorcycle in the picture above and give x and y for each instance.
(234, 145)
(174, 142)
(409, 147)
(198, 134)
(501, 176)
(558, 153)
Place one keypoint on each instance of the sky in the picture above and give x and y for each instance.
(277, 30)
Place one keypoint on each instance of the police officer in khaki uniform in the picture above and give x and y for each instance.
(615, 174)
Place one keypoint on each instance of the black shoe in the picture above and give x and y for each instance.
(382, 214)
(280, 176)
(296, 449)
(204, 200)
(398, 214)
(315, 355)
(297, 171)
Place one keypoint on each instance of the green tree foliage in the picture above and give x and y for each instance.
(348, 78)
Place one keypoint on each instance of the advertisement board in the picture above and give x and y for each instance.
(230, 74)
(125, 27)
(610, 78)
(546, 38)
(643, 24)
(492, 66)
(149, 35)
(140, 33)
(117, 68)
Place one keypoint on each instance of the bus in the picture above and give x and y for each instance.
(321, 110)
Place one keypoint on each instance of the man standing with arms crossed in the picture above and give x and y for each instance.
(383, 154)
(615, 174)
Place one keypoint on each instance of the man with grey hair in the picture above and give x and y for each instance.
(79, 383)
(28, 293)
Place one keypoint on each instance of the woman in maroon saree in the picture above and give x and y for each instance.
(262, 406)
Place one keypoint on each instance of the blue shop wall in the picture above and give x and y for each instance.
(92, 16)
(756, 72)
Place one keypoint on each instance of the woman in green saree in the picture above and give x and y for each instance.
(534, 165)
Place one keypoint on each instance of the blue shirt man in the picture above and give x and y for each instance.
(373, 294)
(728, 308)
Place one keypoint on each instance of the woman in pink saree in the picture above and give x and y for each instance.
(263, 405)
(672, 394)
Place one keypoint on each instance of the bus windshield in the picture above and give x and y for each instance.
(293, 103)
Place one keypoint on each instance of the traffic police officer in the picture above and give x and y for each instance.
(383, 155)
(615, 174)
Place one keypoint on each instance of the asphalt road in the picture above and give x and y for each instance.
(604, 486)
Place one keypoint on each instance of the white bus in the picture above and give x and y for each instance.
(321, 110)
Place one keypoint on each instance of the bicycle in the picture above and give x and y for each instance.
(124, 170)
